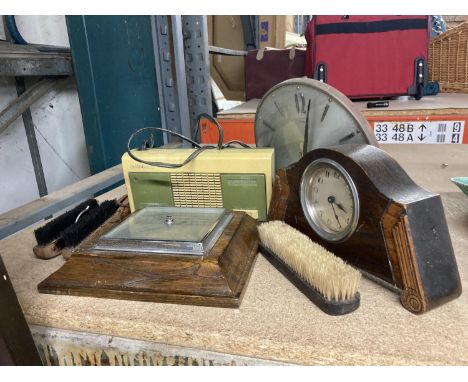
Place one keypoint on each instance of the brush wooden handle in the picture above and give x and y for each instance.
(47, 252)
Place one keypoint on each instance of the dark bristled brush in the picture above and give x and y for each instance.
(52, 230)
(74, 234)
(72, 227)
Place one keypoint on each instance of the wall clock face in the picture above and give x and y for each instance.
(329, 200)
(330, 117)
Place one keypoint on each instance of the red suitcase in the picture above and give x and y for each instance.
(369, 56)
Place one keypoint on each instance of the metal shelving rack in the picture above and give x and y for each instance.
(29, 60)
(184, 84)
(20, 61)
(183, 70)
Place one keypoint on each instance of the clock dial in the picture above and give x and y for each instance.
(281, 120)
(329, 200)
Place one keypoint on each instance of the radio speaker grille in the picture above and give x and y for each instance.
(196, 190)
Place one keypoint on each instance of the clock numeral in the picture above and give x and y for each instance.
(336, 175)
(268, 125)
(324, 113)
(327, 173)
(320, 180)
(300, 103)
(279, 109)
(345, 138)
(347, 221)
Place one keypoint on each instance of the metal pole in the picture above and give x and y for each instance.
(197, 65)
(30, 133)
(32, 141)
(181, 83)
(163, 58)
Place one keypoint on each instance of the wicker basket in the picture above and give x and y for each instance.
(448, 60)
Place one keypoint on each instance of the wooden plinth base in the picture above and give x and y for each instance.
(218, 279)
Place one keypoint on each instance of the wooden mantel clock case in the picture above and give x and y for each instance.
(360, 204)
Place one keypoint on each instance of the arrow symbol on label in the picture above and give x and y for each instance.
(422, 127)
(421, 137)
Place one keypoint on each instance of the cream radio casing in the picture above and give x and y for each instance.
(237, 179)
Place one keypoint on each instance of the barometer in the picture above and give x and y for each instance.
(198, 256)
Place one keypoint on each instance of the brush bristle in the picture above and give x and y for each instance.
(88, 223)
(321, 269)
(54, 228)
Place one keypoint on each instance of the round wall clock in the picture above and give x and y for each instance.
(302, 114)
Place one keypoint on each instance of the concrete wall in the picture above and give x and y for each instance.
(58, 126)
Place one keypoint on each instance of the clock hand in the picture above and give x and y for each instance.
(306, 131)
(331, 200)
(340, 207)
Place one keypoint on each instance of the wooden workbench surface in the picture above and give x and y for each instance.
(275, 321)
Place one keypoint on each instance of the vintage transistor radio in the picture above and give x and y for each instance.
(238, 179)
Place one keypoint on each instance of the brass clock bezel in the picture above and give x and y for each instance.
(309, 210)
